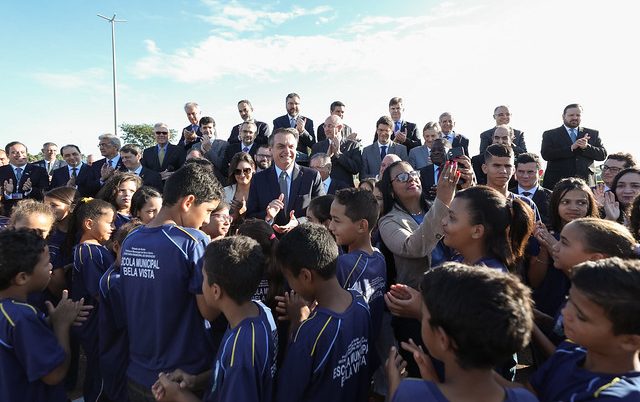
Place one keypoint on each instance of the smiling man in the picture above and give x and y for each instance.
(20, 179)
(303, 125)
(404, 133)
(502, 116)
(373, 154)
(245, 109)
(75, 174)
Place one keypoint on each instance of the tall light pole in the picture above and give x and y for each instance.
(113, 21)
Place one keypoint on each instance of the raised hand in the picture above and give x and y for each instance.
(611, 206)
(66, 312)
(396, 369)
(447, 182)
(293, 222)
(404, 301)
(427, 371)
(8, 186)
(598, 193)
(274, 207)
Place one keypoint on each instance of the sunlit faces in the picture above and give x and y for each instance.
(527, 175)
(107, 149)
(263, 158)
(101, 228)
(284, 150)
(314, 219)
(438, 152)
(447, 123)
(243, 173)
(38, 221)
(60, 209)
(193, 114)
(408, 190)
(49, 152)
(124, 194)
(574, 204)
(333, 128)
(149, 210)
(293, 106)
(342, 227)
(572, 117)
(338, 111)
(247, 133)
(499, 170)
(196, 215)
(610, 169)
(162, 134)
(384, 133)
(71, 155)
(18, 155)
(130, 161)
(208, 130)
(396, 111)
(628, 188)
(219, 224)
(39, 278)
(3, 158)
(245, 111)
(502, 136)
(457, 226)
(586, 323)
(429, 135)
(570, 251)
(502, 115)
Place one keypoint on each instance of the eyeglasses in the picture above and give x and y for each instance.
(611, 168)
(162, 132)
(263, 156)
(406, 176)
(244, 171)
(222, 217)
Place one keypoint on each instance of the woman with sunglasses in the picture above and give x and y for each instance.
(241, 169)
(410, 228)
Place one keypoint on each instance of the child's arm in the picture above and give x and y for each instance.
(396, 368)
(427, 371)
(62, 316)
(294, 309)
(167, 390)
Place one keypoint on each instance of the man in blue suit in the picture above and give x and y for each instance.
(75, 174)
(20, 179)
(303, 125)
(285, 188)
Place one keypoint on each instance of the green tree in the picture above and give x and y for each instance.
(141, 134)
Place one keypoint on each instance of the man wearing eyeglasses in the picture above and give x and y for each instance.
(247, 144)
(345, 154)
(163, 157)
(502, 116)
(614, 164)
(321, 163)
(263, 158)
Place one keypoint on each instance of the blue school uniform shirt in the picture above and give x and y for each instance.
(161, 274)
(245, 366)
(413, 389)
(562, 378)
(552, 291)
(120, 220)
(113, 343)
(488, 262)
(328, 357)
(29, 350)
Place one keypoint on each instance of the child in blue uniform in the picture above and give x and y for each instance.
(600, 359)
(113, 341)
(91, 259)
(161, 278)
(329, 351)
(472, 319)
(34, 352)
(118, 191)
(245, 366)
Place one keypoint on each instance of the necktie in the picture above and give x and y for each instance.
(245, 149)
(161, 154)
(526, 193)
(398, 125)
(110, 162)
(293, 123)
(18, 175)
(74, 172)
(383, 151)
(284, 188)
(436, 174)
(326, 187)
(49, 165)
(573, 134)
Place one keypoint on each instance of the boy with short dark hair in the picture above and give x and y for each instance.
(161, 281)
(34, 351)
(472, 320)
(328, 353)
(245, 366)
(600, 360)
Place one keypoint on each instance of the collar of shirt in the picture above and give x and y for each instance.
(166, 146)
(137, 171)
(14, 167)
(77, 168)
(531, 190)
(243, 146)
(388, 145)
(449, 136)
(289, 172)
(327, 182)
(114, 161)
(568, 129)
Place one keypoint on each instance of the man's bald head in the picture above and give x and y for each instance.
(386, 161)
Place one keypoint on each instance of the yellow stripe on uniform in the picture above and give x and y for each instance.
(233, 351)
(187, 233)
(27, 305)
(352, 269)
(253, 344)
(319, 335)
(4, 312)
(605, 386)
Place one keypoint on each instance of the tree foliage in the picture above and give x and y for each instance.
(141, 134)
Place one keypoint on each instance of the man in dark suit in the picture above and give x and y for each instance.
(345, 154)
(404, 133)
(103, 169)
(447, 123)
(336, 108)
(429, 174)
(502, 116)
(372, 155)
(191, 135)
(172, 156)
(20, 179)
(321, 163)
(303, 125)
(528, 173)
(50, 162)
(75, 174)
(246, 114)
(131, 155)
(247, 144)
(285, 186)
(570, 150)
(503, 135)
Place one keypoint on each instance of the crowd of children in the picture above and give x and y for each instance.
(168, 304)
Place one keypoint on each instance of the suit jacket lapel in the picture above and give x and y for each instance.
(296, 182)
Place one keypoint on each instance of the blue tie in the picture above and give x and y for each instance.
(383, 151)
(573, 134)
(18, 175)
(398, 125)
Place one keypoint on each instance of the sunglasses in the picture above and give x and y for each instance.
(406, 176)
(162, 132)
(244, 171)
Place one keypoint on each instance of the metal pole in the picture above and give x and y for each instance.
(113, 21)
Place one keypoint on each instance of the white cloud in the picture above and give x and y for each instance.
(93, 79)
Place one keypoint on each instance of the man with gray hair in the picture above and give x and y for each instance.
(321, 163)
(191, 135)
(502, 116)
(345, 154)
(163, 157)
(103, 169)
(49, 160)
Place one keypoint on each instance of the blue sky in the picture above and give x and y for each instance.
(461, 56)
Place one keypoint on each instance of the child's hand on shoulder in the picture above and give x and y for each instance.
(67, 311)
